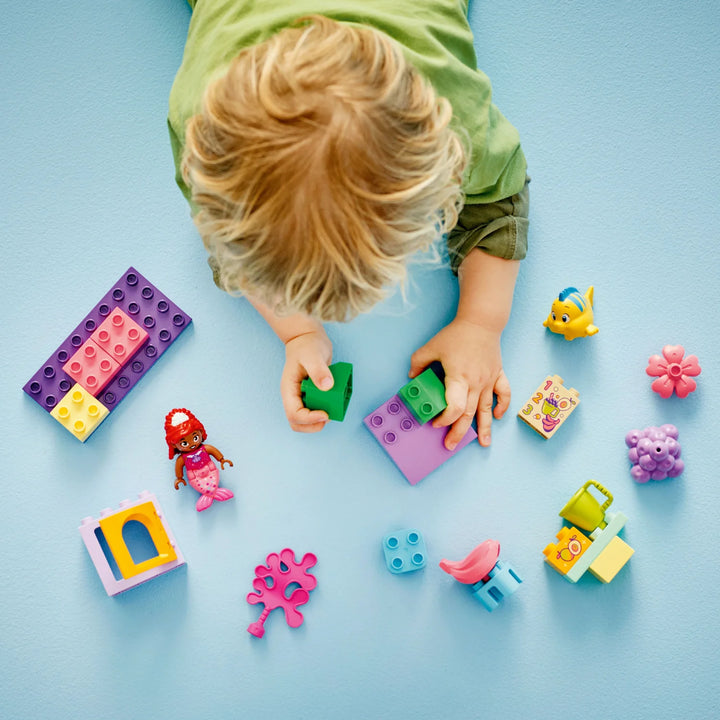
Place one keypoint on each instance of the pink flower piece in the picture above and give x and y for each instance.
(673, 371)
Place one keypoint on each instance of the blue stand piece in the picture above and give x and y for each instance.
(404, 551)
(503, 581)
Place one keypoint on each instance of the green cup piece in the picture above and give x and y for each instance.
(334, 401)
(584, 511)
(424, 396)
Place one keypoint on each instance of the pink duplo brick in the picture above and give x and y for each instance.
(119, 336)
(92, 367)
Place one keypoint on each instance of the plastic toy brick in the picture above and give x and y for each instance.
(601, 539)
(141, 301)
(424, 396)
(492, 580)
(92, 367)
(334, 401)
(503, 581)
(570, 546)
(147, 511)
(550, 406)
(79, 412)
(416, 449)
(611, 560)
(404, 551)
(120, 336)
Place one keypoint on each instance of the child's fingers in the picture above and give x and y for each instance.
(456, 396)
(302, 419)
(461, 426)
(502, 391)
(297, 414)
(306, 425)
(320, 374)
(420, 359)
(484, 416)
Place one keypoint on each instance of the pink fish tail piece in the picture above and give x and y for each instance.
(476, 566)
(273, 583)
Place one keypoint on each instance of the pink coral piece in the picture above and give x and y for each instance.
(673, 372)
(272, 582)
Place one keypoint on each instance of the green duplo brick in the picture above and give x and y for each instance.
(424, 396)
(334, 401)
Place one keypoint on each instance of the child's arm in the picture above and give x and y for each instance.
(308, 352)
(469, 347)
(212, 450)
(179, 465)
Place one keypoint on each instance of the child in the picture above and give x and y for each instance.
(319, 152)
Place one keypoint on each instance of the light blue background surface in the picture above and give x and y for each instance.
(617, 104)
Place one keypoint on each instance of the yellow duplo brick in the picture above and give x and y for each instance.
(611, 560)
(570, 546)
(79, 412)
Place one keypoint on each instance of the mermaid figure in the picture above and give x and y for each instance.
(185, 436)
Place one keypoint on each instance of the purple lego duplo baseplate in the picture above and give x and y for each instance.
(153, 311)
(416, 449)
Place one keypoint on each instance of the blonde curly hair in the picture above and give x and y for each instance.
(320, 161)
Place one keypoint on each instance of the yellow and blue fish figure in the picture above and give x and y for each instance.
(572, 314)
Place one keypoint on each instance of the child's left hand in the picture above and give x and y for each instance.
(470, 356)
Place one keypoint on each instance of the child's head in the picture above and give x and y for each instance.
(320, 162)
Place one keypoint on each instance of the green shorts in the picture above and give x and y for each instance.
(499, 228)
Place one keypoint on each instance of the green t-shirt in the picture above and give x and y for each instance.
(435, 36)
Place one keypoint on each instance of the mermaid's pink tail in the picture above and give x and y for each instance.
(204, 502)
(220, 494)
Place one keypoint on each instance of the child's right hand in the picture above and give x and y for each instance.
(306, 355)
